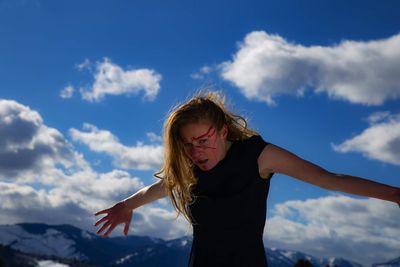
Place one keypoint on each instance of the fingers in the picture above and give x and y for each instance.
(102, 212)
(126, 228)
(103, 227)
(109, 230)
(115, 216)
(101, 220)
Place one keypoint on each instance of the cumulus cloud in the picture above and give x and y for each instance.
(67, 92)
(202, 72)
(111, 79)
(364, 230)
(267, 65)
(23, 203)
(380, 141)
(159, 222)
(75, 198)
(141, 157)
(43, 179)
(28, 145)
(154, 137)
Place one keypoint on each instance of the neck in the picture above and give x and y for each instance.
(227, 146)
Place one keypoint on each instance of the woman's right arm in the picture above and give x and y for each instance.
(146, 195)
(121, 212)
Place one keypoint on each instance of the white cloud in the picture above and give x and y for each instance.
(141, 157)
(378, 116)
(267, 66)
(202, 72)
(363, 230)
(154, 137)
(380, 141)
(67, 92)
(75, 198)
(111, 79)
(43, 179)
(84, 65)
(158, 222)
(27, 145)
(91, 189)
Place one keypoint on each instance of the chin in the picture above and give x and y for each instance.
(206, 167)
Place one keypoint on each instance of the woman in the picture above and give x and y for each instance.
(217, 172)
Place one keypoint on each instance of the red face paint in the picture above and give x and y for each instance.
(209, 133)
(202, 141)
(205, 149)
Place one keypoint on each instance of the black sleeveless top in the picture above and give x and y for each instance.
(229, 210)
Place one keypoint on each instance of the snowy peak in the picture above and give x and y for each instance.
(334, 262)
(391, 263)
(288, 258)
(40, 240)
(182, 242)
(172, 253)
(68, 244)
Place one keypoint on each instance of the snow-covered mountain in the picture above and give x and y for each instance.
(12, 258)
(169, 253)
(392, 263)
(42, 240)
(288, 258)
(69, 242)
(44, 245)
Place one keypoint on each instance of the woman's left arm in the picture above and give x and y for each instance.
(278, 160)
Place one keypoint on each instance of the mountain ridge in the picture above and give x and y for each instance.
(71, 245)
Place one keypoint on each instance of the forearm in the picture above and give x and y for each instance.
(360, 186)
(146, 195)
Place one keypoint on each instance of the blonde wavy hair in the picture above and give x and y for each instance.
(177, 169)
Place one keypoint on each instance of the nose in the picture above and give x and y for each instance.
(196, 151)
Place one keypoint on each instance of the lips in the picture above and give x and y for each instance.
(202, 161)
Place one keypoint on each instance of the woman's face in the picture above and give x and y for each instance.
(204, 145)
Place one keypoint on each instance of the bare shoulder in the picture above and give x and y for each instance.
(272, 154)
(264, 168)
(274, 159)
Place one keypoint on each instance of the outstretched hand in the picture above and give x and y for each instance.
(117, 214)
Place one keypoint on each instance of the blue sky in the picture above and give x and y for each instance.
(89, 84)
